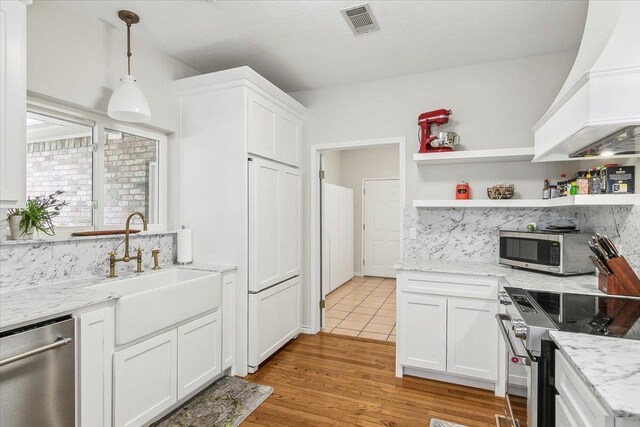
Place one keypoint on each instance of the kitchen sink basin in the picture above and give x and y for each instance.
(157, 300)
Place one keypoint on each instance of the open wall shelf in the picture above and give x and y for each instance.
(524, 154)
(584, 200)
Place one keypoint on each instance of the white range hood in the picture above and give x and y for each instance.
(602, 92)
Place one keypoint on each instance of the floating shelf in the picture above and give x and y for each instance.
(585, 200)
(524, 154)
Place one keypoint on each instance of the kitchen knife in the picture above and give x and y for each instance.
(611, 245)
(600, 265)
(596, 252)
(604, 244)
(599, 248)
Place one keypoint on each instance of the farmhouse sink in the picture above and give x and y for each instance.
(157, 300)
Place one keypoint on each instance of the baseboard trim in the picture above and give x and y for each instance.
(358, 274)
(449, 378)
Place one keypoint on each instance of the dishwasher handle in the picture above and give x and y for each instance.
(59, 342)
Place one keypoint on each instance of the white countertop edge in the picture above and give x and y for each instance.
(561, 338)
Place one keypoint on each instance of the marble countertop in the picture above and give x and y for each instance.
(23, 307)
(609, 366)
(584, 284)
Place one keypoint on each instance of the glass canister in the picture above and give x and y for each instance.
(594, 182)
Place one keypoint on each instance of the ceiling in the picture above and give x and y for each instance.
(306, 44)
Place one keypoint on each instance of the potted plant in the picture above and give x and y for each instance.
(37, 215)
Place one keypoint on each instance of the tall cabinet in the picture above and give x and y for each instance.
(240, 193)
(13, 102)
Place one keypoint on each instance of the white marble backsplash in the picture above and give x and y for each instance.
(472, 233)
(25, 265)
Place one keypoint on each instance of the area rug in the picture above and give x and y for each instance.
(225, 403)
(439, 423)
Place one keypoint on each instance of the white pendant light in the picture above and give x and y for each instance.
(127, 102)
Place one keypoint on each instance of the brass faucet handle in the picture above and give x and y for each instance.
(111, 254)
(139, 260)
(155, 253)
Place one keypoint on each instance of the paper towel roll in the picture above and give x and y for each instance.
(185, 249)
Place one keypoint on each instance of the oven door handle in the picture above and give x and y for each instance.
(525, 360)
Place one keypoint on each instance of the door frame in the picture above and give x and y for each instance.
(315, 289)
(363, 216)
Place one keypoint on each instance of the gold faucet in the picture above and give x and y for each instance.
(127, 257)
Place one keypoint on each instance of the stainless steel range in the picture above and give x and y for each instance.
(525, 324)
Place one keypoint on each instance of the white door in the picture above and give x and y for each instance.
(274, 318)
(289, 229)
(472, 338)
(338, 212)
(423, 331)
(96, 350)
(264, 224)
(287, 138)
(261, 126)
(199, 353)
(381, 234)
(145, 379)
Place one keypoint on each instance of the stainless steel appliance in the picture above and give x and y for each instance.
(556, 252)
(37, 375)
(525, 322)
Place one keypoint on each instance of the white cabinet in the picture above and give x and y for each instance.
(13, 103)
(446, 326)
(228, 320)
(145, 378)
(563, 415)
(272, 132)
(199, 353)
(96, 338)
(423, 326)
(472, 338)
(274, 223)
(274, 318)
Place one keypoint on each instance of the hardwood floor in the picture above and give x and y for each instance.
(332, 380)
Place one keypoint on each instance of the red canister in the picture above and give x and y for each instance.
(463, 192)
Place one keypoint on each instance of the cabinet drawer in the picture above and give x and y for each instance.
(582, 404)
(457, 285)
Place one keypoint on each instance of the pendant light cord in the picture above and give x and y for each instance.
(129, 46)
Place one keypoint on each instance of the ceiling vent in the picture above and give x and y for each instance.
(360, 19)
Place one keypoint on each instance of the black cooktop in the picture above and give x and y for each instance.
(591, 314)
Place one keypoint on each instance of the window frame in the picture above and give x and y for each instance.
(100, 123)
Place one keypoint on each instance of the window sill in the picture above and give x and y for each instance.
(68, 238)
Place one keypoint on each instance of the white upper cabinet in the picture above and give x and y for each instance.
(288, 130)
(272, 132)
(13, 102)
(261, 132)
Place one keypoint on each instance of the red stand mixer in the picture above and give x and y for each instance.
(437, 142)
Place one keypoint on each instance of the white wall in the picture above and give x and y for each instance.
(494, 105)
(332, 167)
(79, 60)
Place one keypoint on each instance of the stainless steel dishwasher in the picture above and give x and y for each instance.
(37, 375)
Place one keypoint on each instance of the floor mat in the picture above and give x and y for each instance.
(225, 403)
(439, 423)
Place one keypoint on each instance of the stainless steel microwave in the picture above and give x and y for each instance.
(552, 252)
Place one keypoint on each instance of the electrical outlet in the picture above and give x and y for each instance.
(413, 233)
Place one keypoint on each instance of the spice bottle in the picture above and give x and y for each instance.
(545, 190)
(583, 183)
(574, 188)
(594, 182)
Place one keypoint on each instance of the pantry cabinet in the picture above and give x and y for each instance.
(274, 223)
(13, 102)
(446, 327)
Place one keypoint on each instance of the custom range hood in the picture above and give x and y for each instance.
(597, 112)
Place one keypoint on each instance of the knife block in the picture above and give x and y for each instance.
(622, 281)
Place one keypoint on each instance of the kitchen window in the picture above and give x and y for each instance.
(107, 170)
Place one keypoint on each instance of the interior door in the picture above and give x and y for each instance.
(338, 210)
(381, 234)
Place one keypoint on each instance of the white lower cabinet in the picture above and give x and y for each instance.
(563, 415)
(423, 322)
(472, 338)
(228, 320)
(96, 336)
(446, 326)
(145, 378)
(198, 353)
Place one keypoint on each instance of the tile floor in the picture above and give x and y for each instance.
(363, 307)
